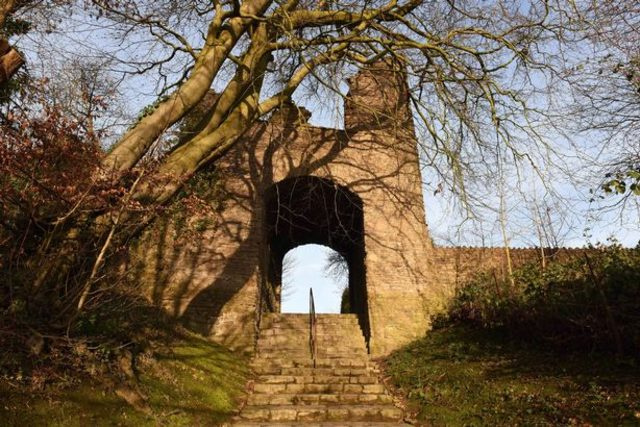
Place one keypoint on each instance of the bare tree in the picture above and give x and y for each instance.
(605, 83)
(287, 289)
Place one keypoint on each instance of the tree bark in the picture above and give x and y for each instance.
(10, 61)
(7, 7)
(220, 41)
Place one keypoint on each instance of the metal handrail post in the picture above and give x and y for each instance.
(313, 342)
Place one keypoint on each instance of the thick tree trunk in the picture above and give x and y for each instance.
(220, 41)
(10, 61)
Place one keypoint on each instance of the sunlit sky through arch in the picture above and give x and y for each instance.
(305, 267)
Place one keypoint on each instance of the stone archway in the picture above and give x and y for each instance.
(309, 209)
(357, 190)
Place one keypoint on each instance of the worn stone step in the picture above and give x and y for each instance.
(318, 398)
(304, 329)
(270, 369)
(319, 413)
(328, 371)
(277, 353)
(319, 316)
(304, 344)
(303, 322)
(304, 319)
(328, 333)
(297, 343)
(324, 360)
(322, 352)
(326, 330)
(317, 388)
(304, 340)
(282, 336)
(342, 389)
(320, 424)
(318, 379)
(307, 362)
(353, 339)
(320, 332)
(353, 336)
(304, 349)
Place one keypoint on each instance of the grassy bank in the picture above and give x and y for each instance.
(459, 375)
(182, 381)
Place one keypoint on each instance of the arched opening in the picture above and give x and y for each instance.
(317, 267)
(310, 210)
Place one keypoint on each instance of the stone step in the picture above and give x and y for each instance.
(322, 347)
(306, 362)
(304, 328)
(321, 424)
(304, 349)
(318, 388)
(286, 337)
(338, 330)
(305, 322)
(301, 341)
(318, 398)
(319, 316)
(304, 339)
(306, 354)
(299, 325)
(322, 333)
(317, 379)
(342, 389)
(304, 318)
(271, 369)
(304, 343)
(320, 413)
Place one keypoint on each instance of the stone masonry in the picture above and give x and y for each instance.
(342, 388)
(221, 280)
(357, 190)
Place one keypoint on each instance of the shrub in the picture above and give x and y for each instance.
(590, 301)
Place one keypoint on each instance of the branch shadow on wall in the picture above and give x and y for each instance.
(197, 279)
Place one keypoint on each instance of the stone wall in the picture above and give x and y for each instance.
(211, 269)
(215, 280)
(456, 265)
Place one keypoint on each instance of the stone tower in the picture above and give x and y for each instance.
(287, 183)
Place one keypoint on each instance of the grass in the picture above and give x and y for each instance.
(190, 381)
(463, 376)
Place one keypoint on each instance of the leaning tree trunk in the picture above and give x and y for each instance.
(10, 61)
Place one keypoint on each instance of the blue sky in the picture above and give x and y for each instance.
(308, 270)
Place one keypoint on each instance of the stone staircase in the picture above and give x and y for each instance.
(343, 388)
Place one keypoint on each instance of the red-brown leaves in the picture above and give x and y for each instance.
(48, 165)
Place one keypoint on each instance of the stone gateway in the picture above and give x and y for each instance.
(356, 190)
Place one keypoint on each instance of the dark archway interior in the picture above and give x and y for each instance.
(309, 209)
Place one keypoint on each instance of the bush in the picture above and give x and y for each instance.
(590, 301)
